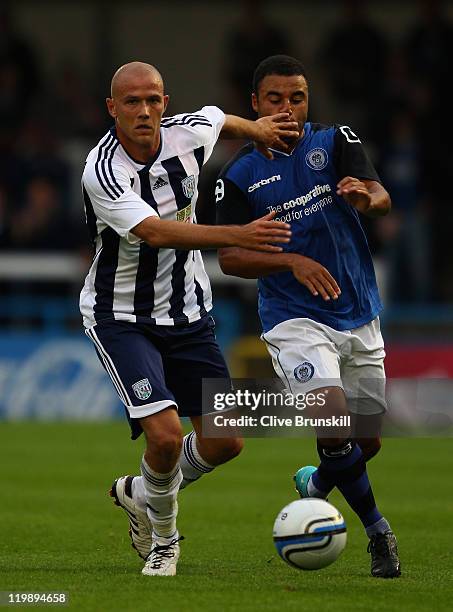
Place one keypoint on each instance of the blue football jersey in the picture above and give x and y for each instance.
(301, 187)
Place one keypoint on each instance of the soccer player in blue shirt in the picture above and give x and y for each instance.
(318, 300)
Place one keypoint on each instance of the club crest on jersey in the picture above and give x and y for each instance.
(317, 159)
(188, 186)
(142, 389)
(304, 371)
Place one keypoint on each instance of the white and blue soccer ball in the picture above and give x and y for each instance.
(309, 533)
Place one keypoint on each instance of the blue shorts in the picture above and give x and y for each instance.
(153, 367)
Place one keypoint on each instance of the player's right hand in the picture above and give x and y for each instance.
(315, 277)
(258, 235)
(277, 132)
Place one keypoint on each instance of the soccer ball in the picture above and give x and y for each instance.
(309, 533)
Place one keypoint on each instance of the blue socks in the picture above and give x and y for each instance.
(344, 467)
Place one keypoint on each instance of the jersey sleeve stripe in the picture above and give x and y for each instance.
(190, 121)
(104, 166)
(200, 122)
(96, 169)
(184, 117)
(101, 165)
(109, 159)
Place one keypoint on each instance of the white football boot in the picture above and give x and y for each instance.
(163, 557)
(140, 527)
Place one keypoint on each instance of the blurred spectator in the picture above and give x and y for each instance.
(40, 222)
(404, 233)
(354, 59)
(19, 77)
(10, 169)
(429, 48)
(37, 155)
(400, 101)
(429, 53)
(4, 218)
(73, 110)
(253, 39)
(398, 87)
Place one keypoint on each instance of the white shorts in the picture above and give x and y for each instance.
(307, 355)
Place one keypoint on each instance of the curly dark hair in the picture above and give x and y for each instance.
(282, 65)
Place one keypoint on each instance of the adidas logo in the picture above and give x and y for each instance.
(161, 182)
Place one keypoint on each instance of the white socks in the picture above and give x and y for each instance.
(193, 466)
(160, 494)
(157, 492)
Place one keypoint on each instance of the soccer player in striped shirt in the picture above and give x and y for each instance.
(146, 298)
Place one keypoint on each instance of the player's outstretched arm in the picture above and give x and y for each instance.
(260, 235)
(310, 273)
(269, 131)
(368, 197)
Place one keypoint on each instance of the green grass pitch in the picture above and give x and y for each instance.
(61, 532)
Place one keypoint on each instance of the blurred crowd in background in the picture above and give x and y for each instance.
(396, 96)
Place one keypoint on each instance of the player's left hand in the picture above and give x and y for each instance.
(275, 131)
(355, 192)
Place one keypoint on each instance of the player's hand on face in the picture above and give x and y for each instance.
(275, 131)
(316, 278)
(262, 234)
(355, 192)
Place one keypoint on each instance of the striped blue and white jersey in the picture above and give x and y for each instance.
(128, 279)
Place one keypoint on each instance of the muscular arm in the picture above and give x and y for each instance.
(350, 160)
(244, 263)
(368, 197)
(249, 264)
(257, 235)
(267, 130)
(380, 204)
